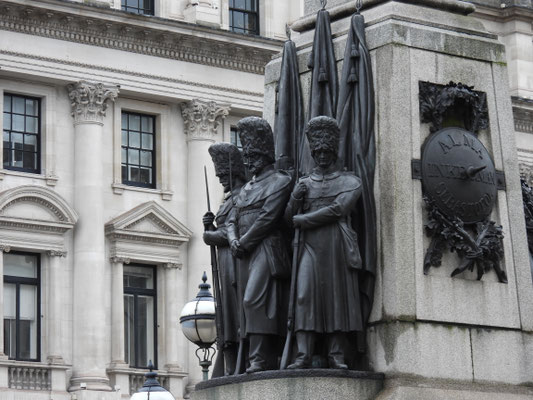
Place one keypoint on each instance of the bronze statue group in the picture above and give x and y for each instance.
(295, 281)
(264, 305)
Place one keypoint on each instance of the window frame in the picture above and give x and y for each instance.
(245, 12)
(137, 10)
(143, 292)
(38, 135)
(153, 185)
(17, 280)
(234, 137)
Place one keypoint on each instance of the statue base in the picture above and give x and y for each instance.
(303, 384)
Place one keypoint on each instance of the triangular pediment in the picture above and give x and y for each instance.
(148, 219)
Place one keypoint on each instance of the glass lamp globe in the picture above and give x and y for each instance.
(197, 317)
(151, 389)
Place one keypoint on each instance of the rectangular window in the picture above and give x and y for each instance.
(244, 16)
(140, 325)
(234, 137)
(22, 132)
(138, 149)
(145, 7)
(22, 306)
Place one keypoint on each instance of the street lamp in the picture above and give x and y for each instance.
(151, 389)
(197, 321)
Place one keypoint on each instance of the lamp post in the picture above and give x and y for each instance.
(151, 389)
(197, 321)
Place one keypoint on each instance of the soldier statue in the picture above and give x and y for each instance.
(257, 241)
(327, 304)
(222, 154)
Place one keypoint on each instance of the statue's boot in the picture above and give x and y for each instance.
(306, 343)
(336, 346)
(263, 350)
(230, 357)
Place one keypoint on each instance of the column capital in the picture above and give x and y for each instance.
(56, 253)
(89, 101)
(173, 265)
(121, 260)
(202, 118)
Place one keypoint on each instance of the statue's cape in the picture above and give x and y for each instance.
(263, 186)
(338, 182)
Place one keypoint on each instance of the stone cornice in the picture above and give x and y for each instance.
(97, 26)
(202, 118)
(89, 101)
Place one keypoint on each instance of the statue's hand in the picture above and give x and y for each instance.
(236, 249)
(298, 221)
(299, 191)
(208, 220)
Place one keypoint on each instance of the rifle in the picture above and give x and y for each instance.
(218, 369)
(241, 354)
(289, 341)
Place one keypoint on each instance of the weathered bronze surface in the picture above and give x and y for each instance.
(224, 274)
(459, 175)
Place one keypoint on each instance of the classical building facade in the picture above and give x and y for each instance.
(108, 110)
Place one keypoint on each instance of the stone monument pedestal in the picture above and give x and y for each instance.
(304, 384)
(433, 335)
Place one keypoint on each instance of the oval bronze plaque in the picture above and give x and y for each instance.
(459, 175)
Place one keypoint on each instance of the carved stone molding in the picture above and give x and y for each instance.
(77, 22)
(89, 101)
(202, 118)
(116, 260)
(5, 248)
(173, 265)
(56, 253)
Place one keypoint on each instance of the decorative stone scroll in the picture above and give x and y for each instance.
(202, 118)
(89, 101)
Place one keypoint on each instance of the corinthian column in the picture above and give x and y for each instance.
(201, 120)
(89, 103)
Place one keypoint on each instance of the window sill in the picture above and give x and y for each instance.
(31, 364)
(51, 180)
(118, 188)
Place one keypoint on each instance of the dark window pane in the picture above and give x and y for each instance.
(7, 160)
(18, 105)
(138, 277)
(124, 118)
(31, 107)
(124, 155)
(147, 141)
(135, 140)
(134, 174)
(146, 175)
(17, 141)
(147, 124)
(132, 3)
(124, 138)
(7, 103)
(145, 315)
(146, 158)
(18, 123)
(17, 160)
(30, 160)
(7, 121)
(32, 124)
(129, 328)
(133, 156)
(239, 4)
(124, 173)
(135, 122)
(238, 20)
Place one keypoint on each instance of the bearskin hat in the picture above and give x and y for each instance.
(323, 134)
(220, 154)
(256, 137)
